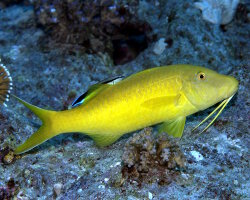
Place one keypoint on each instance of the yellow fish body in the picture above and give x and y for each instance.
(159, 95)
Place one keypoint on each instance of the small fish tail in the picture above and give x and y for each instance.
(45, 132)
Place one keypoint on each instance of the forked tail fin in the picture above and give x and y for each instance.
(45, 132)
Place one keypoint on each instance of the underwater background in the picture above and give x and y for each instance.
(54, 50)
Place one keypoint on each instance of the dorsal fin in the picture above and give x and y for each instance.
(113, 80)
(90, 93)
(95, 89)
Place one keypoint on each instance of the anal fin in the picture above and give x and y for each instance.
(104, 140)
(173, 127)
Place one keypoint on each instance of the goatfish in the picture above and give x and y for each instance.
(162, 95)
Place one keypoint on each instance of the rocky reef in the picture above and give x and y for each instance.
(148, 160)
(98, 26)
(72, 166)
(8, 191)
(218, 11)
(5, 3)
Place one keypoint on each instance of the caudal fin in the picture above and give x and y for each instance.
(45, 132)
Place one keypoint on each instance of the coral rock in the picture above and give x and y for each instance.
(160, 46)
(58, 188)
(217, 11)
(94, 27)
(147, 159)
(7, 156)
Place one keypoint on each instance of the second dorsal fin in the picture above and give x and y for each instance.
(95, 89)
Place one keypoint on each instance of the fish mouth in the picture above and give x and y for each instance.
(221, 107)
(233, 87)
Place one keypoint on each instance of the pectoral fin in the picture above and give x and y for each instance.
(160, 102)
(174, 127)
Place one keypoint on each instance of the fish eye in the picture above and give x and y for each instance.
(201, 76)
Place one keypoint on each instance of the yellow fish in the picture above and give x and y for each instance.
(113, 108)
